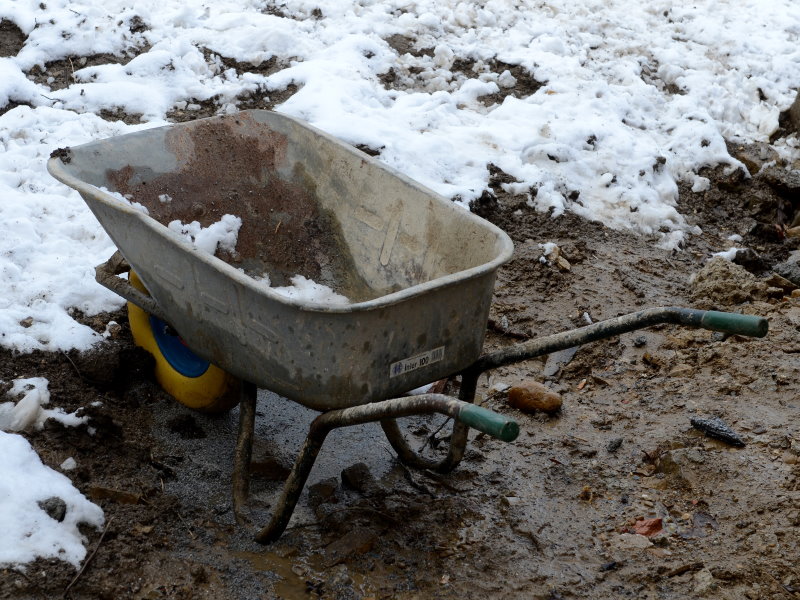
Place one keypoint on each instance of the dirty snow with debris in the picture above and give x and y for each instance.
(623, 100)
(306, 290)
(28, 412)
(28, 530)
(222, 234)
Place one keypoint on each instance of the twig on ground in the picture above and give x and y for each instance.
(185, 524)
(88, 560)
(432, 437)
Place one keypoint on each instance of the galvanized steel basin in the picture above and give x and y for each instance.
(418, 269)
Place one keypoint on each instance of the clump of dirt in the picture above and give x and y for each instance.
(11, 38)
(723, 283)
(303, 238)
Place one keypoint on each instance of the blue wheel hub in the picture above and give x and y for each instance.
(177, 354)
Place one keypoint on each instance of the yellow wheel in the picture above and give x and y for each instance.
(190, 379)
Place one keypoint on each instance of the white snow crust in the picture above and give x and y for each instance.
(28, 531)
(631, 99)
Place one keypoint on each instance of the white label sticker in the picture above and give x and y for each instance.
(416, 362)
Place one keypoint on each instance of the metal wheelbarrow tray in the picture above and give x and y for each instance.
(419, 272)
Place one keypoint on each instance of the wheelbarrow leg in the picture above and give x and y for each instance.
(293, 486)
(494, 424)
(458, 438)
(244, 449)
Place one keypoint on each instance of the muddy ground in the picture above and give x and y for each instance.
(615, 496)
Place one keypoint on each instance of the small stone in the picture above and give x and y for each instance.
(639, 341)
(633, 541)
(355, 541)
(704, 582)
(531, 396)
(26, 322)
(55, 507)
(718, 429)
(358, 477)
(322, 491)
(614, 445)
(681, 370)
(648, 527)
(789, 269)
(776, 281)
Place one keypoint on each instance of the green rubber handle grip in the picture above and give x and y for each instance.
(749, 325)
(496, 425)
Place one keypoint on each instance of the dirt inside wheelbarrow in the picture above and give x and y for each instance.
(224, 171)
(615, 496)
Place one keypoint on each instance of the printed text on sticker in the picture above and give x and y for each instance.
(416, 362)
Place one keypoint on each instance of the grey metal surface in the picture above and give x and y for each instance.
(420, 270)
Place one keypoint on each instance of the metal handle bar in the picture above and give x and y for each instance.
(748, 325)
(482, 419)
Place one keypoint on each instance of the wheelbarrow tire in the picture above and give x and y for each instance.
(192, 381)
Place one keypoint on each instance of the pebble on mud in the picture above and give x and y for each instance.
(358, 477)
(531, 396)
(322, 491)
(648, 527)
(789, 269)
(356, 541)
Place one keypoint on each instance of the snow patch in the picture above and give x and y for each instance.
(28, 412)
(28, 531)
(223, 234)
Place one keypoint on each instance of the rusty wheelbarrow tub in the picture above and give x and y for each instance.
(417, 272)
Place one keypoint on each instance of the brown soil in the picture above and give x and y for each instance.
(11, 38)
(552, 515)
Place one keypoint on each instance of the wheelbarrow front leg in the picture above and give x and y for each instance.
(499, 426)
(244, 449)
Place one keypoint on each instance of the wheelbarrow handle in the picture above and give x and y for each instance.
(482, 419)
(494, 424)
(497, 425)
(749, 325)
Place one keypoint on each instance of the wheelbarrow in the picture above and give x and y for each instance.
(417, 273)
